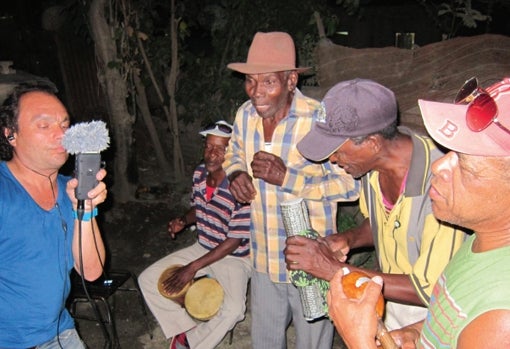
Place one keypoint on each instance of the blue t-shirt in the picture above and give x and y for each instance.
(35, 262)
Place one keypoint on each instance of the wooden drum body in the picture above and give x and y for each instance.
(202, 298)
(177, 297)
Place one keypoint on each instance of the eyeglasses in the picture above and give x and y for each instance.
(482, 108)
(220, 127)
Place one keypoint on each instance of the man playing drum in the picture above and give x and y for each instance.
(221, 252)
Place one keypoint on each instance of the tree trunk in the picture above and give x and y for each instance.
(116, 90)
(171, 87)
(143, 105)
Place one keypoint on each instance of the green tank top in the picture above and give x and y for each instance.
(471, 285)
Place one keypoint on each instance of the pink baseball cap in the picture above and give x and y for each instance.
(447, 124)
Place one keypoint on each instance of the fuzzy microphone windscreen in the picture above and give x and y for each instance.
(86, 137)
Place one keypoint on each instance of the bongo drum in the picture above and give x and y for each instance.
(204, 298)
(177, 297)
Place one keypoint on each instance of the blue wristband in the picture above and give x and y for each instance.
(87, 216)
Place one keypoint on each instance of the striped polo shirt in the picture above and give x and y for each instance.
(221, 217)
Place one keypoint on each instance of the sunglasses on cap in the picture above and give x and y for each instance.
(217, 126)
(482, 108)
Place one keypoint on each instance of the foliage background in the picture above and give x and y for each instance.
(212, 34)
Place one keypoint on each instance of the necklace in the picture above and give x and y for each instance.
(55, 203)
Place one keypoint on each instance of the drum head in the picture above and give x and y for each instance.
(164, 275)
(204, 299)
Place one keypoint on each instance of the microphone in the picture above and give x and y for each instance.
(86, 140)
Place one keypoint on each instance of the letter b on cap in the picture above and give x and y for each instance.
(449, 129)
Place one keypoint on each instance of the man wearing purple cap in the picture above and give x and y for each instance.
(266, 169)
(221, 252)
(359, 133)
(470, 305)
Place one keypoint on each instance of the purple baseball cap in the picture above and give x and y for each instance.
(350, 109)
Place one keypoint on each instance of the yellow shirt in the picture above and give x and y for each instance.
(401, 246)
(322, 185)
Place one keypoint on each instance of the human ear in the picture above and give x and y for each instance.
(374, 143)
(9, 134)
(292, 81)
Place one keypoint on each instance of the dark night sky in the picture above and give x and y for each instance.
(32, 48)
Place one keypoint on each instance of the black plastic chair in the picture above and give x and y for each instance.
(99, 292)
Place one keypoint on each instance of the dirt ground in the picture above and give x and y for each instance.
(135, 234)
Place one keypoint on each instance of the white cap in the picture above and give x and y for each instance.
(221, 128)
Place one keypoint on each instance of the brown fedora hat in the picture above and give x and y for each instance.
(269, 53)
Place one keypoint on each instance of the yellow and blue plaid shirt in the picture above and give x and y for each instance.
(322, 185)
